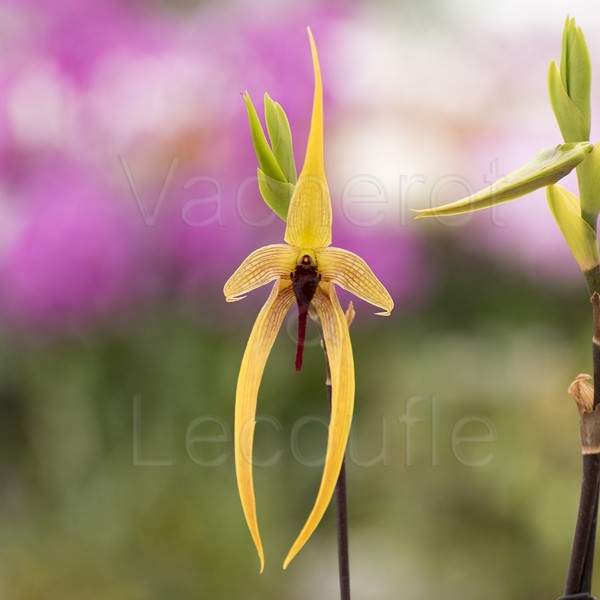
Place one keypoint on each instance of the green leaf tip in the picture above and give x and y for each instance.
(276, 165)
(580, 237)
(266, 159)
(280, 135)
(569, 86)
(547, 167)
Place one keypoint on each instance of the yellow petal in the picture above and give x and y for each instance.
(309, 214)
(263, 265)
(255, 357)
(352, 273)
(341, 364)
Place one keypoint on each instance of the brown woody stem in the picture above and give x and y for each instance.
(579, 575)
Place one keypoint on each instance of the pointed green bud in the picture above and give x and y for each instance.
(276, 165)
(569, 86)
(277, 194)
(266, 158)
(549, 166)
(580, 237)
(280, 135)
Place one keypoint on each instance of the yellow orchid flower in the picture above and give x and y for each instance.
(305, 270)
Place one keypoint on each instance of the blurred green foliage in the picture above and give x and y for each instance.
(490, 355)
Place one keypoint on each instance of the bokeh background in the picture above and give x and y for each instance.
(128, 196)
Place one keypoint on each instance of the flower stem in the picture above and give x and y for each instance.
(342, 528)
(579, 575)
(341, 505)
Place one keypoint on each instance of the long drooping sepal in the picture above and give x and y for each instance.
(579, 235)
(353, 274)
(259, 268)
(547, 167)
(259, 346)
(339, 354)
(309, 214)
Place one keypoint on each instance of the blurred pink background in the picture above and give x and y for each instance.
(128, 196)
(101, 98)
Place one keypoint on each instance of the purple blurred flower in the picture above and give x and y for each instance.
(71, 258)
(161, 90)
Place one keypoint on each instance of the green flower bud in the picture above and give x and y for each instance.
(569, 86)
(277, 168)
(280, 134)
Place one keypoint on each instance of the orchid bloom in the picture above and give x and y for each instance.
(305, 270)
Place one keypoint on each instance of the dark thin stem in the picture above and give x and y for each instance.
(341, 505)
(581, 564)
(595, 300)
(592, 278)
(588, 569)
(596, 359)
(579, 575)
(342, 527)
